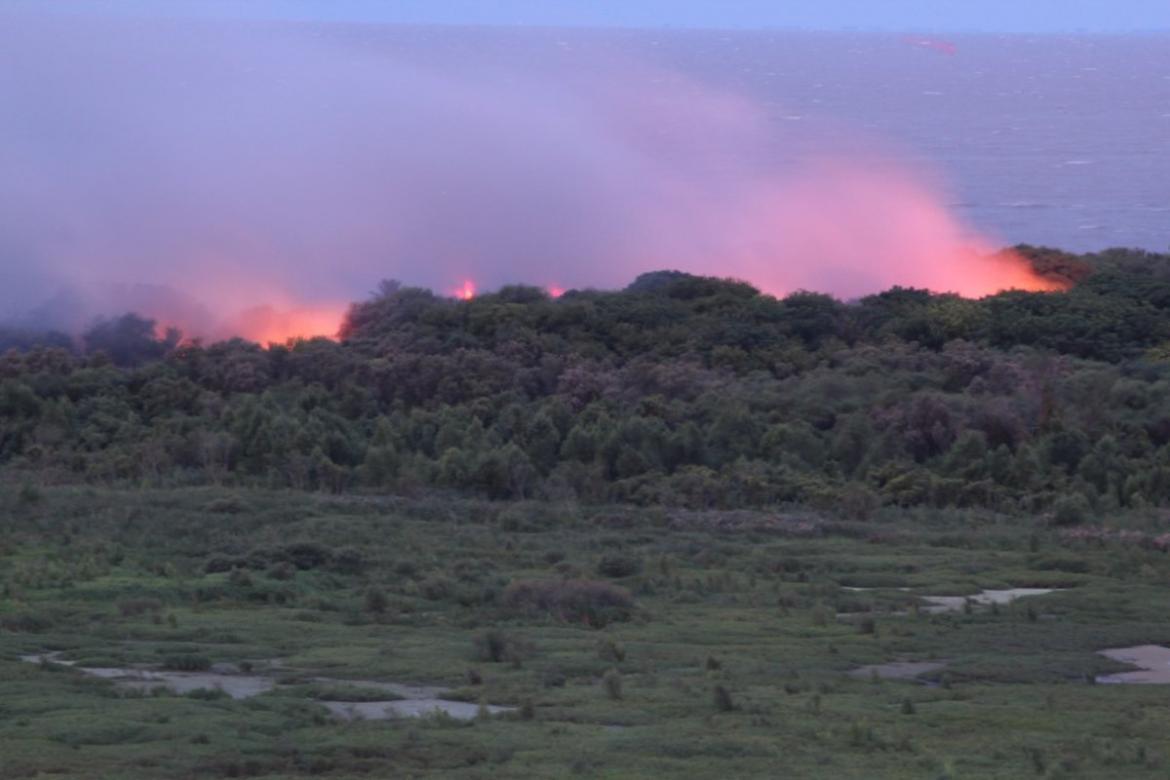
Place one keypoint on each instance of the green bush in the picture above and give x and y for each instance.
(376, 601)
(613, 684)
(139, 606)
(186, 662)
(1070, 510)
(617, 565)
(595, 603)
(723, 700)
(496, 646)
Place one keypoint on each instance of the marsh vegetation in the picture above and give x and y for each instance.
(709, 651)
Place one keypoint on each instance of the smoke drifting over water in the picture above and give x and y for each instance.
(249, 179)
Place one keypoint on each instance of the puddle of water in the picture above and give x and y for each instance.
(406, 708)
(1153, 662)
(237, 686)
(411, 692)
(941, 604)
(415, 701)
(898, 670)
(47, 658)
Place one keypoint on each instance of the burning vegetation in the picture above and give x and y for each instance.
(680, 389)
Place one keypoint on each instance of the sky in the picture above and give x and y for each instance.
(1001, 16)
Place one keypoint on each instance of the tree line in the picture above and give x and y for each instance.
(679, 390)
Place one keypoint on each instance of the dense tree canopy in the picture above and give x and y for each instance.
(678, 390)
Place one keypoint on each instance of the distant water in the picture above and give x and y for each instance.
(1051, 140)
(1044, 140)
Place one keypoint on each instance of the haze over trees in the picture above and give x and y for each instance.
(679, 390)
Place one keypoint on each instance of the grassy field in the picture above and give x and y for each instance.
(630, 643)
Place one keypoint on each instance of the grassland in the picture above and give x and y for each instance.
(732, 660)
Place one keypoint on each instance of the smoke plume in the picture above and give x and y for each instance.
(244, 178)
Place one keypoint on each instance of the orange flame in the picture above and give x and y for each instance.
(1004, 270)
(466, 291)
(270, 325)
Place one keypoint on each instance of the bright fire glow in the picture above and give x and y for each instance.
(853, 230)
(554, 291)
(466, 291)
(262, 324)
(271, 325)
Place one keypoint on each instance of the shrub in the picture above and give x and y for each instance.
(218, 564)
(619, 565)
(376, 601)
(436, 588)
(207, 694)
(569, 571)
(527, 710)
(611, 651)
(26, 622)
(525, 519)
(29, 494)
(307, 555)
(1068, 563)
(723, 700)
(136, 607)
(281, 570)
(613, 684)
(494, 646)
(1070, 510)
(228, 505)
(349, 560)
(857, 502)
(1036, 756)
(406, 568)
(822, 615)
(589, 601)
(187, 663)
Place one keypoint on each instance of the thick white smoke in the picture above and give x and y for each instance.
(196, 170)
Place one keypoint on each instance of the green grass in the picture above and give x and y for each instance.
(121, 578)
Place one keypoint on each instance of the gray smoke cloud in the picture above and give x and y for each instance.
(194, 170)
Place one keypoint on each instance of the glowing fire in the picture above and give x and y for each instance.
(852, 231)
(554, 291)
(466, 291)
(270, 325)
(989, 274)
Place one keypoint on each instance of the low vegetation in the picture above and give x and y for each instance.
(726, 652)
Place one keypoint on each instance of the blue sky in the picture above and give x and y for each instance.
(899, 15)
